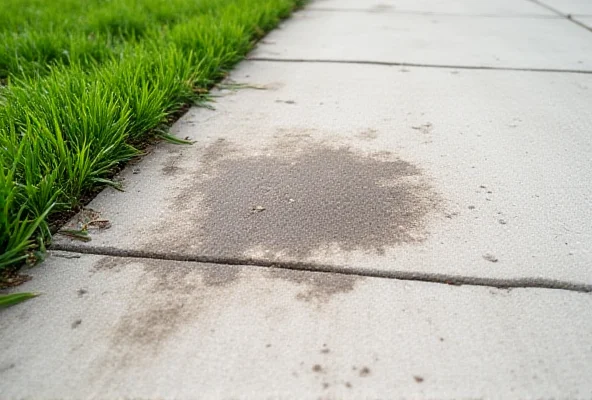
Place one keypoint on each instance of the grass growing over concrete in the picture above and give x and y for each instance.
(85, 81)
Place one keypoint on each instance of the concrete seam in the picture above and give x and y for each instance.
(568, 17)
(420, 65)
(454, 280)
(432, 14)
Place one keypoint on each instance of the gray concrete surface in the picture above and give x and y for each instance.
(585, 20)
(502, 8)
(490, 163)
(360, 196)
(109, 328)
(570, 6)
(467, 41)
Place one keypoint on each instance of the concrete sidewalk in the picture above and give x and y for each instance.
(397, 205)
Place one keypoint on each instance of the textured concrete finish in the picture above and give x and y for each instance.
(446, 7)
(585, 20)
(108, 328)
(440, 171)
(435, 40)
(573, 7)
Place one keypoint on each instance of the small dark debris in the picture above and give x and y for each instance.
(76, 323)
(317, 368)
(418, 379)
(365, 372)
(471, 207)
(490, 257)
(286, 101)
(325, 385)
(348, 385)
(441, 339)
(268, 345)
(81, 292)
(135, 171)
(324, 351)
(502, 221)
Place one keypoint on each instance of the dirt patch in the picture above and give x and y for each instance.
(318, 287)
(309, 198)
(165, 298)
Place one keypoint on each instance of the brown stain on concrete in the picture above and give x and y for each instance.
(307, 197)
(165, 298)
(317, 287)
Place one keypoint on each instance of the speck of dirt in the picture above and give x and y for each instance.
(471, 207)
(316, 199)
(318, 287)
(365, 371)
(441, 339)
(317, 368)
(418, 379)
(490, 257)
(348, 385)
(325, 351)
(325, 385)
(268, 345)
(6, 368)
(76, 323)
(81, 292)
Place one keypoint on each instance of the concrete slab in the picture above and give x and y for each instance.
(435, 40)
(446, 7)
(371, 168)
(585, 20)
(135, 328)
(570, 6)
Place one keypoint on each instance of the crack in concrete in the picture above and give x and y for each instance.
(431, 13)
(455, 280)
(420, 65)
(568, 17)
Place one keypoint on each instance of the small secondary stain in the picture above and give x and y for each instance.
(418, 379)
(365, 371)
(348, 385)
(317, 368)
(318, 286)
(325, 351)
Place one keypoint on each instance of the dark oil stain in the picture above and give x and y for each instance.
(318, 286)
(314, 197)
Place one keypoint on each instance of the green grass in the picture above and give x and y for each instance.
(87, 81)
